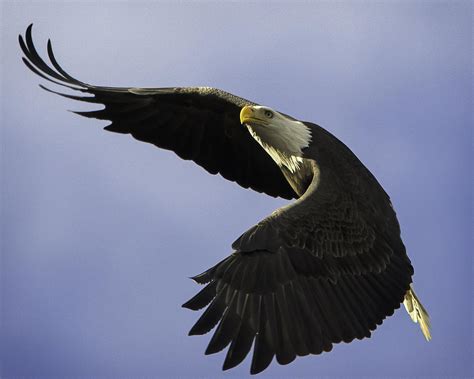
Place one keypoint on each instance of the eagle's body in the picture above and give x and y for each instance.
(326, 268)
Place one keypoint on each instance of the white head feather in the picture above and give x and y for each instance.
(283, 138)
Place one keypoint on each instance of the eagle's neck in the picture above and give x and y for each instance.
(283, 141)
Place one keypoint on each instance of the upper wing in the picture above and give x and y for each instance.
(325, 269)
(200, 124)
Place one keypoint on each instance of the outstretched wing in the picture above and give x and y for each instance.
(199, 124)
(283, 305)
(328, 268)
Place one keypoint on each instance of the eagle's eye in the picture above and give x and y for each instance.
(269, 114)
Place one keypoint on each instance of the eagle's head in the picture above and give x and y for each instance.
(281, 136)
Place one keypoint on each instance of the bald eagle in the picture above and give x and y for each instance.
(329, 267)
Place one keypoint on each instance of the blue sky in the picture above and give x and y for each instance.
(100, 232)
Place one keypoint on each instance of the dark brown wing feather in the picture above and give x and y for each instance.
(288, 310)
(326, 269)
(199, 124)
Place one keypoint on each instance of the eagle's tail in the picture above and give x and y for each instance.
(417, 312)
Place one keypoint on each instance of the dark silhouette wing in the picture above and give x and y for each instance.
(328, 268)
(197, 123)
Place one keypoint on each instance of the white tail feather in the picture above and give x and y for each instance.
(417, 312)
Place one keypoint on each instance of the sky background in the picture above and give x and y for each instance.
(101, 232)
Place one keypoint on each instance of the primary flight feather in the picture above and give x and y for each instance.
(327, 268)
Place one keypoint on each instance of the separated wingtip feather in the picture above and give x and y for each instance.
(36, 64)
(202, 278)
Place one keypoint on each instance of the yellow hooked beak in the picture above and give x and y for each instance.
(248, 114)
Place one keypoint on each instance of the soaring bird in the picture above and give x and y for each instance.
(326, 268)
